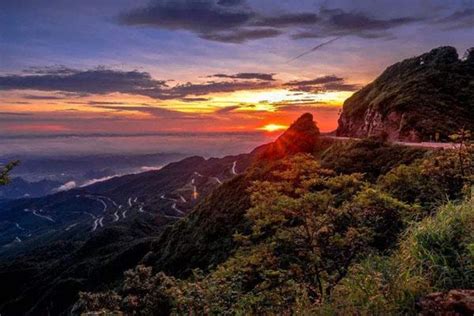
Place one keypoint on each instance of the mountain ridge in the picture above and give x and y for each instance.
(427, 97)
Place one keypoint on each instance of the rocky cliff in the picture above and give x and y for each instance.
(422, 98)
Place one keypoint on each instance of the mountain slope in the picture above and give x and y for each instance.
(415, 99)
(19, 188)
(205, 237)
(52, 247)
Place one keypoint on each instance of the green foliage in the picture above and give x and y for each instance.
(142, 293)
(371, 157)
(308, 227)
(441, 247)
(314, 241)
(453, 170)
(439, 177)
(436, 254)
(410, 184)
(4, 179)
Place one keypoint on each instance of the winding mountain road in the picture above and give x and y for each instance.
(234, 164)
(35, 212)
(174, 207)
(94, 225)
(71, 226)
(19, 227)
(217, 180)
(410, 144)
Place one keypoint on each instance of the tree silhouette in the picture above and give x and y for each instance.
(4, 173)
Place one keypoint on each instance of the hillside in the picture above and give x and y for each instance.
(415, 99)
(186, 216)
(110, 226)
(52, 247)
(350, 228)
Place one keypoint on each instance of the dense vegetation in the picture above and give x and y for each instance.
(316, 226)
(314, 240)
(421, 98)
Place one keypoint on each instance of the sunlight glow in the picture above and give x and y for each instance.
(273, 127)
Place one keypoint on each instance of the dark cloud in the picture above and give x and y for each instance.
(101, 103)
(319, 80)
(96, 81)
(15, 114)
(41, 97)
(153, 111)
(247, 75)
(322, 84)
(104, 81)
(340, 86)
(337, 22)
(457, 20)
(316, 107)
(230, 3)
(242, 35)
(201, 16)
(50, 70)
(286, 20)
(227, 109)
(20, 102)
(189, 99)
(180, 91)
(235, 21)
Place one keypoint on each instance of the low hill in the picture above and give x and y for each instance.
(419, 99)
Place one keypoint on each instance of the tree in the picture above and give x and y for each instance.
(308, 226)
(4, 172)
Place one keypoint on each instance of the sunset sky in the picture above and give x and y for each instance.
(118, 67)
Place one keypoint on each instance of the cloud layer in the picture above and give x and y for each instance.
(236, 21)
(101, 81)
(322, 84)
(104, 81)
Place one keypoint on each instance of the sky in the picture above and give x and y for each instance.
(150, 66)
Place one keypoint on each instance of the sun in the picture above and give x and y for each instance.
(273, 127)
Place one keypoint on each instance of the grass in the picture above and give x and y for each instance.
(436, 254)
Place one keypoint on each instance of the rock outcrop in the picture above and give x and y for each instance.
(301, 136)
(455, 302)
(419, 99)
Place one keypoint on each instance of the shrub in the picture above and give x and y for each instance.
(436, 254)
(441, 248)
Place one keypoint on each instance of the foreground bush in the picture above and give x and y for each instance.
(436, 254)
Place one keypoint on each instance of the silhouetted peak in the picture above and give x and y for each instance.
(301, 136)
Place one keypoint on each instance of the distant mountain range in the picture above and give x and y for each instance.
(427, 97)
